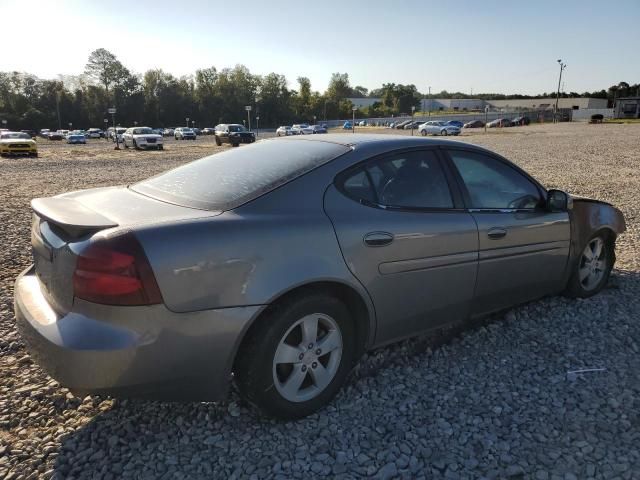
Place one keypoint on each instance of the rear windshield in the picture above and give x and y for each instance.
(227, 180)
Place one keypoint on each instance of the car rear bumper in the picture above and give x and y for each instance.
(144, 352)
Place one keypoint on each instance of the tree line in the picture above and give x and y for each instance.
(210, 96)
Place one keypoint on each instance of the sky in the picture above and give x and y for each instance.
(458, 45)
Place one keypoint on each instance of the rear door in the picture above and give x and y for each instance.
(523, 247)
(405, 235)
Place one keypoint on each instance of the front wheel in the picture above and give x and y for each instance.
(444, 132)
(296, 359)
(218, 141)
(593, 267)
(424, 133)
(135, 145)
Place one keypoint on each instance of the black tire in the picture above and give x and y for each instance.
(125, 145)
(160, 147)
(254, 364)
(575, 287)
(444, 132)
(218, 142)
(235, 144)
(135, 145)
(424, 133)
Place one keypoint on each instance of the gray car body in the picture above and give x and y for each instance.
(219, 271)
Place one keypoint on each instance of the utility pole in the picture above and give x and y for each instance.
(562, 67)
(430, 101)
(353, 121)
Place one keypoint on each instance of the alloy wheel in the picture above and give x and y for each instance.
(593, 264)
(307, 357)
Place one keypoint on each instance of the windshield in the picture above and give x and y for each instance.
(12, 135)
(229, 179)
(236, 128)
(142, 131)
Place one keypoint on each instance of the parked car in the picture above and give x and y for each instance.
(474, 124)
(208, 131)
(412, 125)
(168, 132)
(500, 122)
(75, 137)
(362, 123)
(116, 133)
(167, 287)
(436, 127)
(523, 120)
(196, 131)
(284, 131)
(301, 129)
(455, 123)
(142, 137)
(17, 143)
(318, 129)
(400, 125)
(233, 134)
(95, 133)
(55, 136)
(31, 133)
(44, 133)
(158, 131)
(184, 133)
(347, 125)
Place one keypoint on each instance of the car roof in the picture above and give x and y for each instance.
(382, 140)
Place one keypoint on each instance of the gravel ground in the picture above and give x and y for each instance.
(497, 399)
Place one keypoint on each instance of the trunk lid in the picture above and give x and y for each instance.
(61, 225)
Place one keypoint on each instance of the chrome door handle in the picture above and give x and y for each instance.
(378, 239)
(495, 233)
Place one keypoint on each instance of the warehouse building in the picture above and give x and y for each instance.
(548, 103)
(627, 107)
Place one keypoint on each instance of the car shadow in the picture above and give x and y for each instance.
(413, 425)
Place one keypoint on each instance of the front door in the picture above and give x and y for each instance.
(407, 239)
(523, 247)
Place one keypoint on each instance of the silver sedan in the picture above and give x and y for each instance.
(281, 278)
(438, 128)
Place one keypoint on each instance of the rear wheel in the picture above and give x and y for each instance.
(424, 133)
(593, 267)
(443, 132)
(135, 145)
(160, 147)
(218, 142)
(296, 360)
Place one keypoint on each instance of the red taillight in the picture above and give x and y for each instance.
(115, 271)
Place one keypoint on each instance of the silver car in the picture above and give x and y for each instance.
(438, 128)
(281, 263)
(284, 131)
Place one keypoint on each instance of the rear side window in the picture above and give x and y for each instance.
(413, 180)
(227, 180)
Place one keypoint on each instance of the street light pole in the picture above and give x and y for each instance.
(257, 125)
(187, 120)
(353, 121)
(413, 111)
(562, 67)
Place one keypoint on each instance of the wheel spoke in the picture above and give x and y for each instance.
(600, 265)
(287, 354)
(588, 253)
(330, 342)
(584, 273)
(320, 375)
(309, 330)
(292, 385)
(597, 248)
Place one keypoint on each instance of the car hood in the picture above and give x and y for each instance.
(18, 140)
(147, 135)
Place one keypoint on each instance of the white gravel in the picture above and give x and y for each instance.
(493, 400)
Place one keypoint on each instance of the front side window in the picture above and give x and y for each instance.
(493, 184)
(406, 180)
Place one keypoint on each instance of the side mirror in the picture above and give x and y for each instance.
(559, 201)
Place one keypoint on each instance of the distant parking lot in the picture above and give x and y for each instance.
(501, 400)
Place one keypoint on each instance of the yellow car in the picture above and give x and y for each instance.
(17, 143)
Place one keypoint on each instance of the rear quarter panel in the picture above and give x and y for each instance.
(251, 255)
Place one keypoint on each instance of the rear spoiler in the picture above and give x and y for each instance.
(70, 215)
